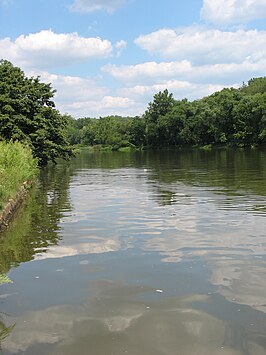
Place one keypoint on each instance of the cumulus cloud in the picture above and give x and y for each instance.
(153, 72)
(140, 82)
(196, 61)
(96, 5)
(147, 71)
(72, 88)
(107, 105)
(229, 12)
(82, 97)
(47, 49)
(201, 45)
(85, 96)
(180, 90)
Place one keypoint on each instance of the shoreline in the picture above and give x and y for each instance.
(13, 204)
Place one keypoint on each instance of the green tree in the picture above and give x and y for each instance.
(221, 105)
(28, 114)
(254, 86)
(136, 132)
(250, 114)
(175, 126)
(162, 103)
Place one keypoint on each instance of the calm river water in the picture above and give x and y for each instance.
(139, 253)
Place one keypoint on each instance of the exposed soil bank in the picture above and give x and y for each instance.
(13, 204)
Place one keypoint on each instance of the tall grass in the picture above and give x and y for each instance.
(17, 165)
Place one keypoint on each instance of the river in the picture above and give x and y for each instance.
(144, 253)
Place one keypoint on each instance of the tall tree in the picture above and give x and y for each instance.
(28, 114)
(162, 103)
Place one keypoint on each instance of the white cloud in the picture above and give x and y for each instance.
(107, 105)
(228, 12)
(85, 97)
(203, 61)
(140, 82)
(96, 5)
(72, 88)
(147, 72)
(47, 49)
(180, 90)
(196, 62)
(201, 45)
(153, 72)
(82, 97)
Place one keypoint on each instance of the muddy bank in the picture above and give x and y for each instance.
(12, 205)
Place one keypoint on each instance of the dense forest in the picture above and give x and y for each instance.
(232, 116)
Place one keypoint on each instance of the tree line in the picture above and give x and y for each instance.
(28, 114)
(232, 116)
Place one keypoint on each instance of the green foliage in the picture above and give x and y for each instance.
(110, 131)
(162, 103)
(228, 117)
(17, 165)
(255, 86)
(136, 132)
(155, 130)
(28, 114)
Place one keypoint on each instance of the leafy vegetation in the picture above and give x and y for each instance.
(235, 117)
(28, 114)
(17, 165)
(111, 131)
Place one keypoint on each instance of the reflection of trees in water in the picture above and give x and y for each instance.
(4, 330)
(231, 172)
(36, 226)
(226, 168)
(230, 169)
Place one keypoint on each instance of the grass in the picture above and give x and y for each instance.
(17, 165)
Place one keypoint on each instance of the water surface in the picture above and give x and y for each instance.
(139, 253)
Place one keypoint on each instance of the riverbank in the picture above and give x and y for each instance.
(12, 205)
(18, 170)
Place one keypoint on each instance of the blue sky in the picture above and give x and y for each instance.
(111, 56)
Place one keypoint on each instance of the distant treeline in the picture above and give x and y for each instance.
(234, 117)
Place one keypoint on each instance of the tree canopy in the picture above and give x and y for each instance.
(28, 114)
(228, 117)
